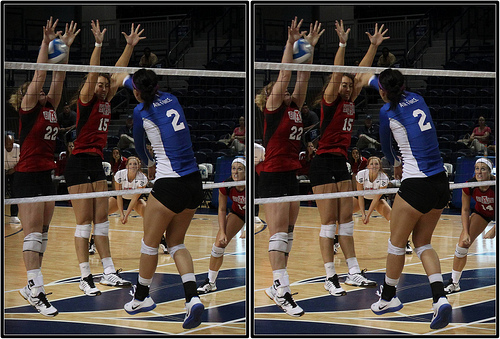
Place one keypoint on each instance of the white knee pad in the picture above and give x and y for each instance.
(328, 231)
(145, 249)
(391, 249)
(217, 252)
(33, 242)
(175, 248)
(347, 228)
(278, 242)
(461, 252)
(45, 239)
(83, 231)
(101, 228)
(421, 249)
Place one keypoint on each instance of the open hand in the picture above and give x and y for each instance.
(135, 35)
(69, 34)
(378, 37)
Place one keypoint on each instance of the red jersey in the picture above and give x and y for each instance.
(92, 121)
(360, 165)
(335, 126)
(283, 130)
(38, 129)
(485, 201)
(237, 197)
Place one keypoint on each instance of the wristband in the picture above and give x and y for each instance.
(98, 44)
(342, 44)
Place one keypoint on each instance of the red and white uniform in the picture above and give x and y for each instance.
(283, 130)
(237, 197)
(485, 201)
(363, 177)
(92, 122)
(38, 129)
(336, 126)
(140, 180)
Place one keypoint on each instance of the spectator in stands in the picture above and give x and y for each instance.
(305, 158)
(387, 59)
(237, 142)
(148, 59)
(10, 159)
(311, 122)
(480, 136)
(357, 161)
(62, 159)
(368, 135)
(125, 133)
(117, 161)
(66, 119)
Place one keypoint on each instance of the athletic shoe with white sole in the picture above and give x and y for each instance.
(15, 220)
(442, 314)
(359, 279)
(206, 287)
(383, 306)
(136, 306)
(194, 311)
(114, 279)
(163, 245)
(88, 287)
(452, 287)
(271, 292)
(288, 305)
(332, 285)
(40, 302)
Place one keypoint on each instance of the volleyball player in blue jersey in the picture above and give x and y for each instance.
(423, 194)
(176, 193)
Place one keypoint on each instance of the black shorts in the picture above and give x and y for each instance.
(368, 202)
(328, 168)
(242, 217)
(278, 184)
(83, 168)
(177, 194)
(33, 184)
(425, 194)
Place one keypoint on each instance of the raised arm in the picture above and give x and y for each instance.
(88, 89)
(280, 88)
(376, 40)
(132, 40)
(30, 99)
(332, 89)
(56, 87)
(300, 90)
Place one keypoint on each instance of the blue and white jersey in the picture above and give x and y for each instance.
(166, 127)
(412, 127)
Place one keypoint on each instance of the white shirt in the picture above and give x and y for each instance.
(363, 177)
(10, 159)
(121, 178)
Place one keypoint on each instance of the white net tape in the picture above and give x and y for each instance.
(64, 197)
(130, 70)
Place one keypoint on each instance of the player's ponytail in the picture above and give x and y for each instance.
(393, 83)
(146, 82)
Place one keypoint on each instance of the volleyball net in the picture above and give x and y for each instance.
(213, 102)
(457, 99)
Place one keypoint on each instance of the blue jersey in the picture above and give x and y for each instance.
(412, 127)
(166, 127)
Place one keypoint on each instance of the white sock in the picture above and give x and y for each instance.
(144, 281)
(352, 264)
(85, 269)
(212, 275)
(455, 276)
(330, 269)
(107, 264)
(188, 277)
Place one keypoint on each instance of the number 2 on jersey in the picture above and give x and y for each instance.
(424, 126)
(175, 122)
